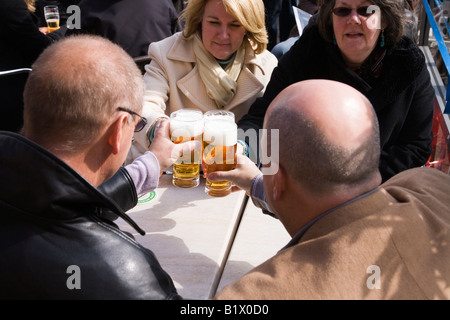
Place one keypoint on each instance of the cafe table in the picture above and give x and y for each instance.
(258, 238)
(190, 233)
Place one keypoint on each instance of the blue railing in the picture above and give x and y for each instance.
(441, 44)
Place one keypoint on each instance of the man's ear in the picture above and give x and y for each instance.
(115, 133)
(279, 183)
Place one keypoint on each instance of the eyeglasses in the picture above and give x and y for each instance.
(345, 11)
(141, 123)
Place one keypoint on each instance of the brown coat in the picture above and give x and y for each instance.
(403, 229)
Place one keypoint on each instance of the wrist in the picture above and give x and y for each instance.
(144, 172)
(245, 147)
(151, 132)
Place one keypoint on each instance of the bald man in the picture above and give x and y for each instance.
(83, 101)
(352, 238)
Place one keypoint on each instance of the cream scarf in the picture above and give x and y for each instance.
(221, 84)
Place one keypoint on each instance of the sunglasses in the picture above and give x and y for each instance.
(361, 11)
(141, 123)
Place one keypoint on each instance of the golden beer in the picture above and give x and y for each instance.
(52, 24)
(219, 153)
(186, 125)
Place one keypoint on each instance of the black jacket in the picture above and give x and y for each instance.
(52, 221)
(21, 43)
(132, 24)
(402, 95)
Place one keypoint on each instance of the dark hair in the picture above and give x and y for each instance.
(392, 15)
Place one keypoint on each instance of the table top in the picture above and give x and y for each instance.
(190, 233)
(258, 238)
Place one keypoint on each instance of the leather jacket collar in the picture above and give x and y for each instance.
(37, 182)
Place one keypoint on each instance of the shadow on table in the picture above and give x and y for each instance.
(196, 275)
(193, 273)
(233, 271)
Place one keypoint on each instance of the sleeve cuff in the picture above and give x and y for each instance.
(144, 172)
(257, 195)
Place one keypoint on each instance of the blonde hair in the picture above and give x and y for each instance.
(249, 13)
(30, 5)
(74, 90)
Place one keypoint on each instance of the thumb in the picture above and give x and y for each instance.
(220, 175)
(162, 128)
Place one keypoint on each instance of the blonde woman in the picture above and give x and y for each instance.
(219, 61)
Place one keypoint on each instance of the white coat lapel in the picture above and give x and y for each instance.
(193, 88)
(248, 87)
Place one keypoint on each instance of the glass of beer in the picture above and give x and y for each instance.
(219, 153)
(186, 125)
(51, 14)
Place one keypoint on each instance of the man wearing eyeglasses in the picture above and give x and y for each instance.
(82, 105)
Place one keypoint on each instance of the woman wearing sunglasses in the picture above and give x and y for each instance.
(361, 43)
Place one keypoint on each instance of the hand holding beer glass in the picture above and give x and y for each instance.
(219, 152)
(187, 125)
(51, 14)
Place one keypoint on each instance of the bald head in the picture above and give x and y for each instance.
(328, 134)
(75, 88)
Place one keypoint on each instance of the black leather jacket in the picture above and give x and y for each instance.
(56, 242)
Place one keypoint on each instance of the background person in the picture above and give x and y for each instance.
(343, 223)
(21, 42)
(309, 6)
(388, 68)
(279, 20)
(62, 8)
(219, 61)
(83, 101)
(132, 24)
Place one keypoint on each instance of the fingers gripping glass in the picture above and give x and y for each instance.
(361, 11)
(141, 123)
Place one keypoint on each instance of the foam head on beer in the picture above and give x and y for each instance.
(186, 125)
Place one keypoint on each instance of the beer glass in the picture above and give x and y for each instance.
(186, 125)
(219, 153)
(51, 14)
